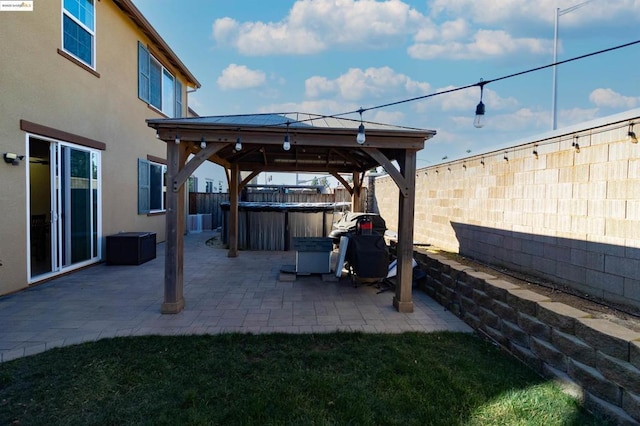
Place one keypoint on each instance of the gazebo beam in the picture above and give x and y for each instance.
(401, 182)
(246, 180)
(343, 181)
(195, 162)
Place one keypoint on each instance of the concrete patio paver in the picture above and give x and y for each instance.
(222, 294)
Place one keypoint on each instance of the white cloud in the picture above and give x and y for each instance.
(609, 98)
(325, 106)
(572, 116)
(313, 26)
(357, 84)
(484, 44)
(517, 11)
(224, 30)
(240, 77)
(396, 118)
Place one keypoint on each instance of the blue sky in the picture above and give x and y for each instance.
(335, 56)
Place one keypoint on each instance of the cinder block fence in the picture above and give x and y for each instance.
(564, 206)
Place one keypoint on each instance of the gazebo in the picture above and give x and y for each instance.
(285, 142)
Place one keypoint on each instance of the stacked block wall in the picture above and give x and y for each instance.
(595, 360)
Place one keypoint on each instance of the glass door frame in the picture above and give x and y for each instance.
(59, 239)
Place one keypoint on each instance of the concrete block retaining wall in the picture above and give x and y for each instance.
(595, 360)
(566, 213)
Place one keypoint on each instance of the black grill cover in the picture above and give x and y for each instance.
(368, 256)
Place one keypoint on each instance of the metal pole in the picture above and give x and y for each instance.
(554, 114)
(554, 104)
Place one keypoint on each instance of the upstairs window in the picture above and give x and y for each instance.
(157, 86)
(78, 30)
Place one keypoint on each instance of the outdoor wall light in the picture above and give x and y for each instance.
(479, 120)
(631, 135)
(13, 159)
(506, 156)
(238, 145)
(482, 161)
(361, 138)
(535, 151)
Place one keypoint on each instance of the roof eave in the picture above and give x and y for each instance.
(138, 18)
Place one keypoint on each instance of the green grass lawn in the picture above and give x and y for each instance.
(281, 379)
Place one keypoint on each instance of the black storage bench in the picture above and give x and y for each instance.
(131, 248)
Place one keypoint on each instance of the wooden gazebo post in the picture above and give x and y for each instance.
(174, 251)
(356, 201)
(233, 210)
(406, 206)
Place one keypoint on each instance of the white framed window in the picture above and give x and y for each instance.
(152, 186)
(78, 30)
(157, 86)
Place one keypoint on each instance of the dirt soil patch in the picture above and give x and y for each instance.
(626, 316)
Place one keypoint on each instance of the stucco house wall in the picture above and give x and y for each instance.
(45, 88)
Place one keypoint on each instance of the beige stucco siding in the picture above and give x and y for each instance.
(41, 86)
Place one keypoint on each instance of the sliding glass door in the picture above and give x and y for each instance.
(71, 233)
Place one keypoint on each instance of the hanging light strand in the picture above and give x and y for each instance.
(631, 135)
(478, 122)
(361, 138)
(286, 145)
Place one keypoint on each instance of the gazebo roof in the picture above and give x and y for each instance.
(318, 143)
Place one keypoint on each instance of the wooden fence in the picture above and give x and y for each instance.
(209, 203)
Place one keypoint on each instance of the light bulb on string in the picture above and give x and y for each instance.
(631, 135)
(361, 138)
(203, 143)
(238, 145)
(478, 122)
(286, 145)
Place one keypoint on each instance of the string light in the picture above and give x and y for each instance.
(479, 120)
(480, 109)
(203, 143)
(575, 144)
(286, 145)
(631, 135)
(238, 144)
(361, 138)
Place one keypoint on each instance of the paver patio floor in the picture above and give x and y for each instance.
(222, 294)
